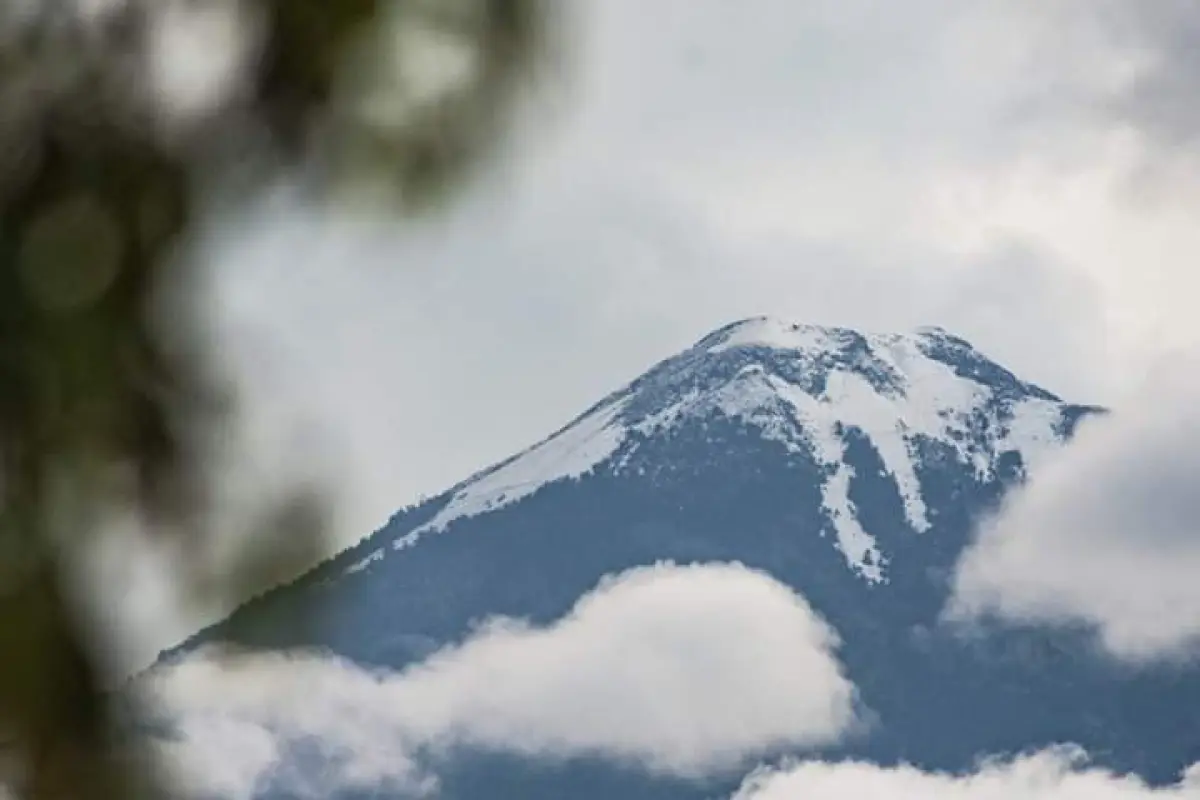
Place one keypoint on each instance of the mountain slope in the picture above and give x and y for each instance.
(804, 387)
(850, 466)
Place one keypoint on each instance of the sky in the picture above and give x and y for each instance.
(1021, 173)
(1024, 173)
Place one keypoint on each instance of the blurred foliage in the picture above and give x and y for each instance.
(106, 146)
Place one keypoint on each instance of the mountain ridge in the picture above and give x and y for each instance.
(777, 365)
(745, 448)
(644, 403)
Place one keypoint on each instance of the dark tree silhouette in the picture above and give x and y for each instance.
(102, 406)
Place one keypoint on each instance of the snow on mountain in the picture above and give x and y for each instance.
(851, 467)
(804, 386)
(570, 453)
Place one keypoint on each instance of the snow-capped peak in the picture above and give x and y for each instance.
(806, 387)
(774, 333)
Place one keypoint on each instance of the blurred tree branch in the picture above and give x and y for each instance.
(100, 411)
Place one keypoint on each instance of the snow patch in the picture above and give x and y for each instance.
(1033, 432)
(929, 402)
(778, 335)
(571, 453)
(359, 566)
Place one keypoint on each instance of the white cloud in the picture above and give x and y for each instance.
(685, 670)
(1108, 533)
(220, 757)
(1059, 774)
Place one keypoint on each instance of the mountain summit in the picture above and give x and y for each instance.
(812, 390)
(853, 467)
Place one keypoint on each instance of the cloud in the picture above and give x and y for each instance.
(1164, 39)
(1059, 774)
(1123, 65)
(1108, 533)
(220, 757)
(687, 671)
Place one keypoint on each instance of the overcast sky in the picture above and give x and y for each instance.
(1019, 172)
(1022, 172)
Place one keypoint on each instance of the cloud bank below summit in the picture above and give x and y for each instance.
(690, 672)
(686, 671)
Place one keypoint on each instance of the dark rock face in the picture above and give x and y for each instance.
(779, 447)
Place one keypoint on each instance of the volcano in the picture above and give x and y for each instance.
(853, 467)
